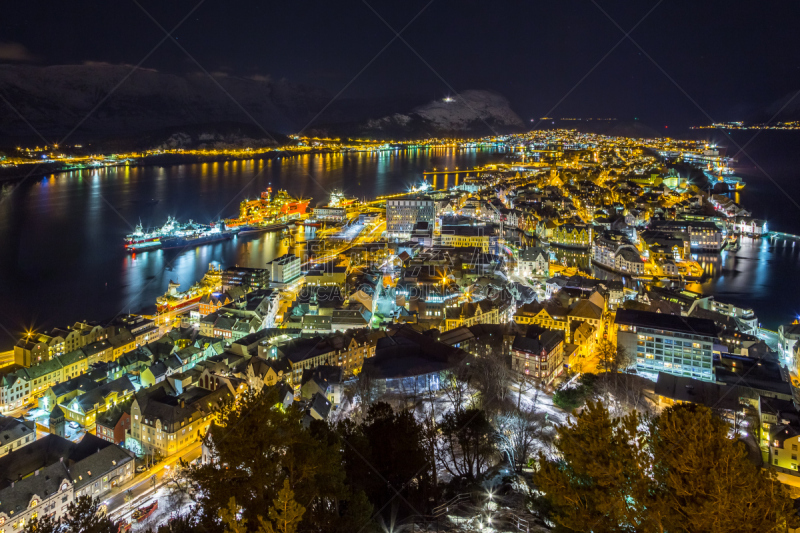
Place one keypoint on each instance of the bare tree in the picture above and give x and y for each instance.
(366, 391)
(493, 376)
(455, 385)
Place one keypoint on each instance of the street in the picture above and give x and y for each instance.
(141, 486)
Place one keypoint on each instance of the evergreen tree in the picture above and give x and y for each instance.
(286, 513)
(705, 480)
(599, 472)
(388, 454)
(681, 473)
(256, 446)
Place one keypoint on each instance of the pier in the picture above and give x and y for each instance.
(775, 235)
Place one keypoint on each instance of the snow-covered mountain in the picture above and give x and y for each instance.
(470, 112)
(119, 103)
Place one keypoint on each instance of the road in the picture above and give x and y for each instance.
(142, 486)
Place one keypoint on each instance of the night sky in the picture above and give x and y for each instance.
(731, 57)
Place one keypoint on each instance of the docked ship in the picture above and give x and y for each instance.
(175, 235)
(734, 183)
(144, 240)
(265, 212)
(174, 299)
(197, 235)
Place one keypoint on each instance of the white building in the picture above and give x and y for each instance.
(533, 262)
(284, 269)
(401, 215)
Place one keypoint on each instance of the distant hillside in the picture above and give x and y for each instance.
(55, 99)
(158, 108)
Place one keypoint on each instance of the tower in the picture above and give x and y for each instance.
(58, 422)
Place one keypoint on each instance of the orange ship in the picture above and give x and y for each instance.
(269, 209)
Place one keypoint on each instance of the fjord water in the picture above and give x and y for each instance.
(61, 236)
(62, 258)
(764, 274)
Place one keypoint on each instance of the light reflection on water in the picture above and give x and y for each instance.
(61, 254)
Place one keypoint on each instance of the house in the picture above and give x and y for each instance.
(114, 424)
(784, 444)
(84, 408)
(470, 314)
(47, 475)
(164, 423)
(15, 433)
(533, 262)
(155, 373)
(539, 354)
(101, 350)
(325, 380)
(318, 409)
(121, 341)
(548, 315)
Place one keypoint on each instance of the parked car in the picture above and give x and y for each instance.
(140, 469)
(74, 425)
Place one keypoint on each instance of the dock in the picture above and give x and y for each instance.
(775, 235)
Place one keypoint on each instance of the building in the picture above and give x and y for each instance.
(43, 478)
(411, 362)
(788, 335)
(15, 434)
(163, 423)
(38, 348)
(668, 343)
(540, 356)
(750, 226)
(470, 314)
(784, 441)
(250, 279)
(482, 237)
(85, 408)
(284, 269)
(533, 262)
(21, 386)
(330, 214)
(47, 493)
(113, 425)
(422, 234)
(571, 236)
(703, 236)
(547, 315)
(620, 256)
(402, 215)
(324, 380)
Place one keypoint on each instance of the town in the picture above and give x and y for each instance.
(517, 293)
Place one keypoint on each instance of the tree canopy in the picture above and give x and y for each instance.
(680, 472)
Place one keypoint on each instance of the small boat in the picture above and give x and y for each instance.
(123, 526)
(143, 513)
